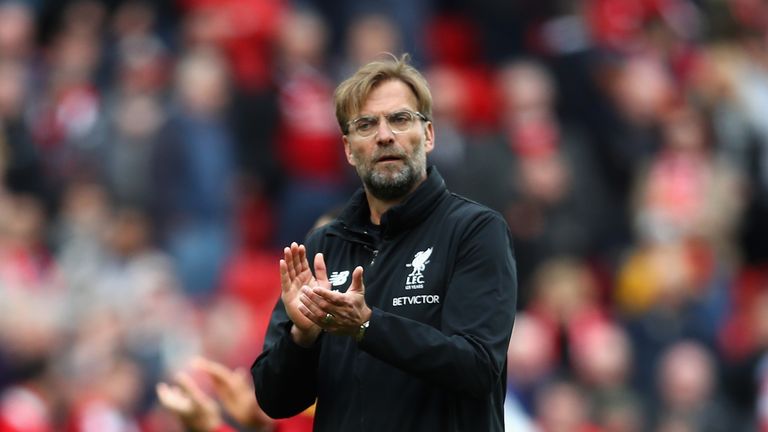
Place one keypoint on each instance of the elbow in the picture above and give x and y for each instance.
(268, 405)
(485, 384)
(279, 408)
(484, 372)
(279, 400)
(486, 379)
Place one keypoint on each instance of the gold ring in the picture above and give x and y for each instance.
(327, 319)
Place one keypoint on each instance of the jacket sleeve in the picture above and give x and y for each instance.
(285, 374)
(468, 353)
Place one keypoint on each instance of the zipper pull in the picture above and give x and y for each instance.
(375, 252)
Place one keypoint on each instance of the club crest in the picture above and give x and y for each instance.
(415, 279)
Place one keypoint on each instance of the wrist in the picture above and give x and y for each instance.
(304, 338)
(361, 331)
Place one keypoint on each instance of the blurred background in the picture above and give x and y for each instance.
(156, 155)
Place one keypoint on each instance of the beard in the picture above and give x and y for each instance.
(390, 184)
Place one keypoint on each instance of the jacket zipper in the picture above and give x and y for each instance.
(366, 245)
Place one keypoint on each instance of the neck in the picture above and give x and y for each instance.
(378, 206)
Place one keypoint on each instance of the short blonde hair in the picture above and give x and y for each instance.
(351, 94)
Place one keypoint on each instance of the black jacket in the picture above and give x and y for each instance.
(441, 282)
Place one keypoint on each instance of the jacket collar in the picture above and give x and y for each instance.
(413, 210)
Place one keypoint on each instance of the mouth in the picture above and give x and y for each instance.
(388, 158)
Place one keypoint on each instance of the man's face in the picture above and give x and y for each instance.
(390, 164)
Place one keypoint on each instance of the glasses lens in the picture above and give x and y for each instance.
(400, 121)
(366, 126)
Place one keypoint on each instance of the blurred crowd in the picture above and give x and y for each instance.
(156, 155)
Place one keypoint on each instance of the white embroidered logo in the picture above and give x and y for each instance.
(338, 278)
(415, 279)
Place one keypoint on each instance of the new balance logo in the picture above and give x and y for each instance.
(339, 278)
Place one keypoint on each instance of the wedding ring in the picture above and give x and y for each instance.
(327, 319)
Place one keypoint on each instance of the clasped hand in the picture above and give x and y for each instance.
(311, 304)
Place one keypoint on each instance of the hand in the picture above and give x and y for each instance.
(349, 310)
(233, 387)
(196, 410)
(295, 273)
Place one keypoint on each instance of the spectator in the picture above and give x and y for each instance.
(688, 391)
(307, 141)
(195, 174)
(199, 412)
(560, 408)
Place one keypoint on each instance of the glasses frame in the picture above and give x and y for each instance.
(353, 130)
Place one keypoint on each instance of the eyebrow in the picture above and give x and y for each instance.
(385, 113)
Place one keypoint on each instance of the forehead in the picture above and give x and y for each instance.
(389, 96)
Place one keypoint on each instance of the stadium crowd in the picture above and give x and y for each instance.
(157, 155)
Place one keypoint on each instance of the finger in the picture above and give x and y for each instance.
(165, 394)
(357, 281)
(173, 399)
(288, 256)
(303, 263)
(285, 280)
(326, 305)
(326, 298)
(310, 315)
(316, 311)
(321, 273)
(220, 375)
(295, 259)
(190, 387)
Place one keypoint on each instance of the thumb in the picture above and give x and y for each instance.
(357, 285)
(321, 273)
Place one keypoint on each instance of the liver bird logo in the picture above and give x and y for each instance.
(420, 261)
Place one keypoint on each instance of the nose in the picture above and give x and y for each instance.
(384, 134)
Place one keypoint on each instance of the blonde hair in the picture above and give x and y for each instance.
(351, 94)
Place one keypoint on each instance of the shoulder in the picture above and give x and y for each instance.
(477, 231)
(318, 233)
(467, 220)
(462, 208)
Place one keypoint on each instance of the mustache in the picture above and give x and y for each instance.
(388, 155)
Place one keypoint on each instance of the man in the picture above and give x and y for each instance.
(404, 325)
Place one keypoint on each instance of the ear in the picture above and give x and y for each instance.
(429, 137)
(348, 150)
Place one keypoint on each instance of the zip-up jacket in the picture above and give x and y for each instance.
(441, 282)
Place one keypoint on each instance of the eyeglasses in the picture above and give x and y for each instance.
(398, 121)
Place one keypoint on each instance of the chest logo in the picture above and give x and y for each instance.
(339, 278)
(415, 279)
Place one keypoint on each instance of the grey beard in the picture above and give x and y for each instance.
(390, 189)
